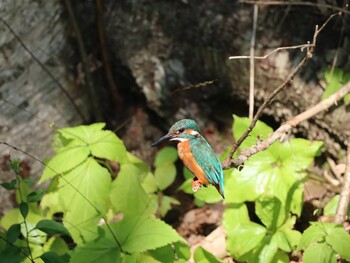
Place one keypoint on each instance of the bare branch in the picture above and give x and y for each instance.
(343, 204)
(272, 52)
(252, 64)
(309, 53)
(286, 127)
(300, 3)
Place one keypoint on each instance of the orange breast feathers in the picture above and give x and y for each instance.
(186, 156)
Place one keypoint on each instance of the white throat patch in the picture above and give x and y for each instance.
(179, 139)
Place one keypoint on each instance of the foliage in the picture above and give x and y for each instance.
(82, 189)
(335, 80)
(322, 241)
(273, 181)
(115, 216)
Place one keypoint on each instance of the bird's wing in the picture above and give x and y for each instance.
(207, 159)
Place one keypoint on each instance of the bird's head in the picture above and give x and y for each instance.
(182, 130)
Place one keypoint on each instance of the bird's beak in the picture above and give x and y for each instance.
(166, 137)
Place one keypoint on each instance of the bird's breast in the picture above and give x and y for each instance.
(190, 162)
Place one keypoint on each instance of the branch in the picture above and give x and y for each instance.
(300, 3)
(309, 53)
(286, 127)
(343, 205)
(252, 64)
(81, 48)
(105, 55)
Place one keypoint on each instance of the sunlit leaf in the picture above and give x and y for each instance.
(83, 194)
(319, 252)
(240, 229)
(165, 204)
(339, 240)
(165, 174)
(270, 211)
(203, 256)
(316, 232)
(102, 250)
(138, 234)
(260, 131)
(335, 78)
(127, 194)
(174, 253)
(66, 159)
(166, 155)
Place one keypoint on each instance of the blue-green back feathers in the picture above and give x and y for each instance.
(210, 163)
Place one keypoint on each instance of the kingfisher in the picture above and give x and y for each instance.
(196, 154)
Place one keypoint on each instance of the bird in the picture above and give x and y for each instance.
(196, 154)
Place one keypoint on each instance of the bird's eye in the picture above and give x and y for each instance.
(180, 131)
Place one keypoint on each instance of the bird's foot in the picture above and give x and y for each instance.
(196, 185)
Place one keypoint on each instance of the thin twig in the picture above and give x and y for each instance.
(286, 127)
(273, 51)
(318, 5)
(309, 52)
(36, 59)
(105, 54)
(91, 92)
(252, 64)
(343, 205)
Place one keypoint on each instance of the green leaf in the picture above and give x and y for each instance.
(280, 257)
(331, 207)
(165, 174)
(203, 256)
(240, 230)
(65, 160)
(105, 144)
(207, 194)
(186, 186)
(270, 211)
(276, 171)
(51, 257)
(9, 186)
(187, 174)
(260, 131)
(36, 195)
(268, 250)
(335, 80)
(15, 217)
(149, 184)
(102, 250)
(315, 233)
(13, 233)
(165, 204)
(281, 240)
(83, 195)
(319, 252)
(166, 155)
(127, 194)
(24, 208)
(102, 144)
(339, 240)
(138, 234)
(51, 227)
(174, 253)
